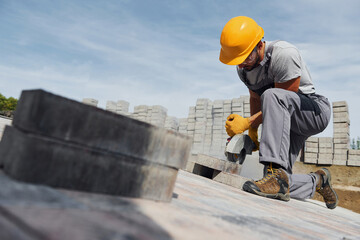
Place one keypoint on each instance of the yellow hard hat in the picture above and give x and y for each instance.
(238, 38)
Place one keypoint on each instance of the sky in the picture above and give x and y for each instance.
(167, 52)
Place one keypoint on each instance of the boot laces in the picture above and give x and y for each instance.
(271, 172)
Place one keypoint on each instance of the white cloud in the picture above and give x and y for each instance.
(162, 53)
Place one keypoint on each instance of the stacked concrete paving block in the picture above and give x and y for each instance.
(217, 129)
(111, 106)
(246, 105)
(325, 150)
(119, 107)
(208, 129)
(140, 112)
(122, 107)
(237, 106)
(158, 115)
(155, 115)
(63, 143)
(354, 158)
(183, 123)
(311, 150)
(206, 125)
(191, 122)
(227, 112)
(90, 101)
(148, 114)
(200, 125)
(172, 123)
(341, 132)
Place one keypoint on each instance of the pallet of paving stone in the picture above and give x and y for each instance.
(326, 151)
(311, 152)
(354, 158)
(90, 101)
(340, 159)
(78, 145)
(340, 112)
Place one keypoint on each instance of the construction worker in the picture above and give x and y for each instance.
(283, 99)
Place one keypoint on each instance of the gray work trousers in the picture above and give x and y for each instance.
(288, 121)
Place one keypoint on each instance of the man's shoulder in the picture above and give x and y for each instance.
(281, 44)
(283, 49)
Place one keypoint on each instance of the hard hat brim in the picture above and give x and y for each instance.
(238, 59)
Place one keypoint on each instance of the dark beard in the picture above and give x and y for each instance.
(257, 62)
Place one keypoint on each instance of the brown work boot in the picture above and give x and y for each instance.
(274, 185)
(324, 188)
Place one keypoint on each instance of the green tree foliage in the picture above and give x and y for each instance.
(355, 144)
(7, 104)
(11, 104)
(2, 102)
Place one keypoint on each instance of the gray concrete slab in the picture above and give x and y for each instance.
(40, 160)
(47, 114)
(200, 209)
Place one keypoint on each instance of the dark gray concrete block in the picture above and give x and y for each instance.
(11, 227)
(42, 160)
(54, 116)
(33, 212)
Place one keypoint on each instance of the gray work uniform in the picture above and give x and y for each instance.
(289, 118)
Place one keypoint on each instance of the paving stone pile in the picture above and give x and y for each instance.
(325, 150)
(90, 101)
(335, 150)
(183, 123)
(205, 124)
(155, 115)
(171, 123)
(341, 132)
(353, 158)
(311, 153)
(120, 107)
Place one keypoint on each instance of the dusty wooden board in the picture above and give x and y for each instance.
(200, 209)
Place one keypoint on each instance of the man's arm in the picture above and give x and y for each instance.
(255, 110)
(255, 101)
(291, 85)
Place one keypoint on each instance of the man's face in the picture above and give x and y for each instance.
(251, 61)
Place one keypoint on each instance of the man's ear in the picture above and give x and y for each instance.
(260, 45)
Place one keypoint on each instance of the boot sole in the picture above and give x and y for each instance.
(329, 180)
(280, 196)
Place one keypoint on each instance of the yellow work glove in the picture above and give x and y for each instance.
(253, 134)
(236, 124)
